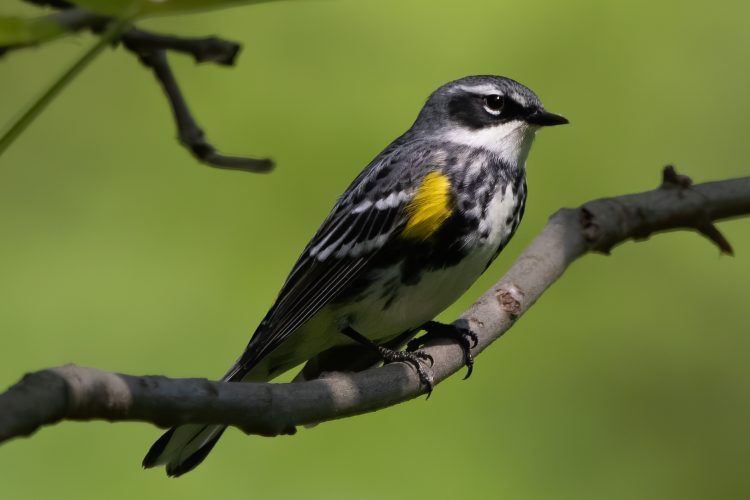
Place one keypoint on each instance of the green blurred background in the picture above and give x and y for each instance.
(628, 380)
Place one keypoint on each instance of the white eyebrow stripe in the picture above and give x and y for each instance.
(481, 89)
(519, 99)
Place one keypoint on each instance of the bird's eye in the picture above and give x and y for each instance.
(493, 104)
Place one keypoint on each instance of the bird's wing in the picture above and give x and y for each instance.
(372, 211)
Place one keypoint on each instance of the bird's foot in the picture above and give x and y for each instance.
(415, 359)
(464, 336)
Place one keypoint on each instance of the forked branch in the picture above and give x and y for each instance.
(151, 49)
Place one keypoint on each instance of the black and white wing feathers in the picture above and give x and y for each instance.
(364, 219)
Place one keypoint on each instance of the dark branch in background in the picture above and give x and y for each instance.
(207, 49)
(76, 393)
(57, 4)
(189, 132)
(151, 49)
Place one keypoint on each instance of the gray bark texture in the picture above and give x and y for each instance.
(77, 393)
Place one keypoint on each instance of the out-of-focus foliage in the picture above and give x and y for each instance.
(627, 380)
(149, 7)
(16, 30)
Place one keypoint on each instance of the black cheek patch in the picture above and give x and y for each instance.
(468, 110)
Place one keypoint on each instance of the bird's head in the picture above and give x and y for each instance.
(491, 112)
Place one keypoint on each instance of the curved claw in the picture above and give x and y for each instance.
(388, 355)
(425, 377)
(466, 338)
(423, 355)
(465, 332)
(468, 341)
(469, 362)
(412, 358)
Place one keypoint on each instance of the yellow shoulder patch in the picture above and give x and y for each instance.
(429, 208)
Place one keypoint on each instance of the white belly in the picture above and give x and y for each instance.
(415, 304)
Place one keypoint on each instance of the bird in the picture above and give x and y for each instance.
(408, 237)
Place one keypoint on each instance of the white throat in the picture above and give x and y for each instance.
(511, 141)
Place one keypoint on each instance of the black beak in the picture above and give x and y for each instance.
(546, 119)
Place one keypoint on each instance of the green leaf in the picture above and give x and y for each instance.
(21, 31)
(121, 8)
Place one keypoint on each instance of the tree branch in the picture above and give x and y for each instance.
(203, 49)
(189, 132)
(76, 393)
(151, 49)
(206, 49)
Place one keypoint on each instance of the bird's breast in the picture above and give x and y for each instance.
(501, 215)
(423, 280)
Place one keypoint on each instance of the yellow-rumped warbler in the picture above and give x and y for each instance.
(408, 237)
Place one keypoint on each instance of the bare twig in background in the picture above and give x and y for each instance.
(189, 132)
(206, 49)
(58, 4)
(151, 49)
(76, 393)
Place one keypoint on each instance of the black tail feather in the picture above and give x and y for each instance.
(193, 460)
(156, 449)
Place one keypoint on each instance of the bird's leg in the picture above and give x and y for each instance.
(413, 357)
(463, 335)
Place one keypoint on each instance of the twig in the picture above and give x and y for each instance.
(206, 49)
(190, 134)
(58, 4)
(203, 49)
(151, 50)
(77, 393)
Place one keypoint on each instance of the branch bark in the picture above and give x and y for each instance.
(191, 135)
(77, 393)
